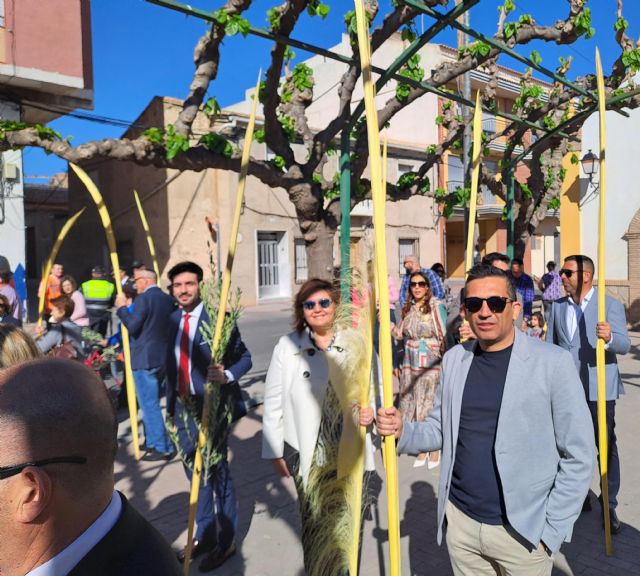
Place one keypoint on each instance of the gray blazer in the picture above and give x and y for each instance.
(544, 446)
(583, 344)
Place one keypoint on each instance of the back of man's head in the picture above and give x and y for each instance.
(551, 266)
(53, 408)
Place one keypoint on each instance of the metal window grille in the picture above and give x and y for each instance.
(406, 247)
(302, 271)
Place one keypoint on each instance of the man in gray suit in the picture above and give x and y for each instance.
(515, 433)
(573, 325)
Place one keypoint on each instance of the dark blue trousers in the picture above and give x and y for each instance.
(217, 515)
(613, 459)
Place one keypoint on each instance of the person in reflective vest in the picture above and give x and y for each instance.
(98, 294)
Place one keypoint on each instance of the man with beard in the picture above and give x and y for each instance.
(189, 369)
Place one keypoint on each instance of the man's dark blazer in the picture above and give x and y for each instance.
(237, 359)
(147, 325)
(133, 547)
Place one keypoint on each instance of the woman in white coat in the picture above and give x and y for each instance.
(305, 418)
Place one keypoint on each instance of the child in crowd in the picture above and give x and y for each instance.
(537, 327)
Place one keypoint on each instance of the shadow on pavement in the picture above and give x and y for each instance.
(587, 547)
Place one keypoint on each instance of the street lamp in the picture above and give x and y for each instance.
(590, 164)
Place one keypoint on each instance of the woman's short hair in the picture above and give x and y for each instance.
(16, 346)
(310, 287)
(71, 280)
(65, 303)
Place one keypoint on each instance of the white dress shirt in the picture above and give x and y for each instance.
(575, 312)
(66, 560)
(194, 319)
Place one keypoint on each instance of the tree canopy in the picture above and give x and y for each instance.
(287, 91)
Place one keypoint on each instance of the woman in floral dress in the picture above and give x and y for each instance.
(423, 330)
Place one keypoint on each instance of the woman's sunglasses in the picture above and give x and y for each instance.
(496, 304)
(421, 284)
(311, 304)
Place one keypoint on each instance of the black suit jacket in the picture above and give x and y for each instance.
(131, 548)
(237, 359)
(147, 325)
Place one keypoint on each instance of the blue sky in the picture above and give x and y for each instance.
(141, 50)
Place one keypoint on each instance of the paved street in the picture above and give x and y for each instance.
(269, 525)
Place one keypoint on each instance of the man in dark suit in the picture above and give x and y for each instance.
(573, 325)
(189, 368)
(147, 325)
(59, 513)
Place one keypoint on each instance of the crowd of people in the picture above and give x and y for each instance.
(499, 393)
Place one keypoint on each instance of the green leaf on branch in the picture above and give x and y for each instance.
(288, 125)
(154, 135)
(259, 136)
(479, 49)
(46, 133)
(351, 22)
(425, 186)
(233, 24)
(510, 30)
(273, 17)
(621, 24)
(317, 8)
(408, 34)
(526, 191)
(278, 162)
(212, 108)
(439, 120)
(631, 59)
(402, 91)
(302, 77)
(549, 181)
(216, 143)
(289, 54)
(582, 24)
(407, 180)
(526, 19)
(554, 204)
(535, 57)
(175, 143)
(431, 149)
(509, 6)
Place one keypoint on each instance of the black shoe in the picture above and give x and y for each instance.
(155, 456)
(217, 558)
(198, 549)
(614, 522)
(586, 505)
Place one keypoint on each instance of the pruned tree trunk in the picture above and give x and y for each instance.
(319, 238)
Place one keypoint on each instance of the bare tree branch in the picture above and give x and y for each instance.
(206, 57)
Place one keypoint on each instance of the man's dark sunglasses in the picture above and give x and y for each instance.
(9, 471)
(496, 304)
(566, 272)
(421, 283)
(311, 304)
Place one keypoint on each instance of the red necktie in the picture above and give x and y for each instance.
(183, 369)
